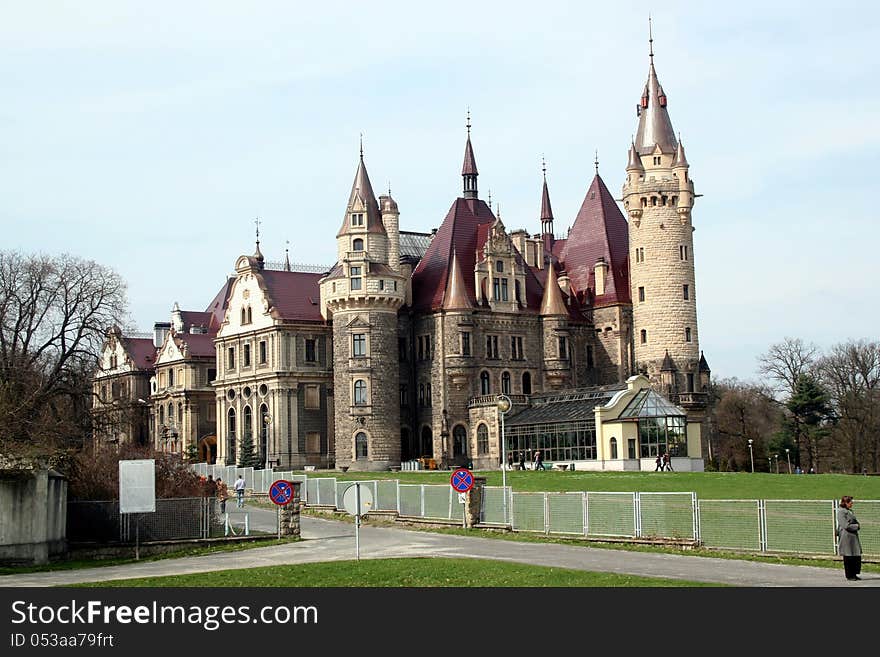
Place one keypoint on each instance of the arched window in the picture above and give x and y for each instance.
(644, 336)
(162, 414)
(459, 440)
(526, 383)
(427, 446)
(360, 393)
(230, 436)
(170, 414)
(505, 383)
(482, 439)
(485, 388)
(613, 447)
(360, 445)
(249, 315)
(264, 433)
(248, 428)
(357, 245)
(243, 316)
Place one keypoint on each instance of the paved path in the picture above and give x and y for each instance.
(332, 540)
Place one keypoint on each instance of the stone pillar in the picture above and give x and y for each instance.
(290, 512)
(474, 503)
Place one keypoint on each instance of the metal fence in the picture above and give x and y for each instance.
(174, 519)
(796, 526)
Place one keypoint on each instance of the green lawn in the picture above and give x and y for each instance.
(707, 485)
(421, 573)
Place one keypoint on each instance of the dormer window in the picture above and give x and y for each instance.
(357, 219)
(357, 245)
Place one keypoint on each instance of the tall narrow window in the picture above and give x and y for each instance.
(311, 352)
(360, 393)
(263, 354)
(641, 294)
(686, 291)
(313, 398)
(230, 358)
(504, 289)
(355, 275)
(404, 396)
(264, 433)
(526, 383)
(427, 394)
(465, 343)
(357, 245)
(505, 383)
(360, 445)
(246, 356)
(357, 219)
(248, 429)
(421, 394)
(563, 348)
(485, 388)
(359, 345)
(401, 350)
(644, 337)
(482, 439)
(687, 333)
(496, 289)
(171, 378)
(230, 436)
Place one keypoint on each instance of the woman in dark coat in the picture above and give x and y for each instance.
(848, 544)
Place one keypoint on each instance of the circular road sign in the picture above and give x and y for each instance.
(281, 492)
(462, 480)
(350, 499)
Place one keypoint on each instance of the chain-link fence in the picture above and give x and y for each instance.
(796, 526)
(174, 519)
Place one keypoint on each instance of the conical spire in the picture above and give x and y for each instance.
(258, 255)
(655, 127)
(287, 257)
(362, 201)
(551, 302)
(469, 167)
(668, 364)
(456, 297)
(680, 159)
(703, 366)
(634, 162)
(546, 210)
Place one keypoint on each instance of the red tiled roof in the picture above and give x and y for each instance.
(467, 227)
(142, 352)
(294, 295)
(194, 318)
(198, 344)
(599, 231)
(217, 307)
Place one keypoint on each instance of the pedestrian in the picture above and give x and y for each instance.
(658, 464)
(210, 489)
(522, 460)
(239, 490)
(222, 494)
(510, 461)
(667, 462)
(848, 545)
(539, 460)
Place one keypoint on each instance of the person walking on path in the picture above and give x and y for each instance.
(848, 545)
(539, 461)
(510, 461)
(667, 462)
(522, 460)
(222, 494)
(239, 491)
(658, 464)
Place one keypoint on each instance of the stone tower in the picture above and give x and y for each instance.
(361, 295)
(658, 195)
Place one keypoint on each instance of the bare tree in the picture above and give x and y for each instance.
(786, 361)
(54, 312)
(851, 373)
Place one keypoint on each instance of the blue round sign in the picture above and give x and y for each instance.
(281, 492)
(462, 480)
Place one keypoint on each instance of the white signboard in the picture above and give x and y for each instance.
(350, 499)
(137, 486)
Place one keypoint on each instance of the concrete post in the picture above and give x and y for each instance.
(474, 503)
(290, 513)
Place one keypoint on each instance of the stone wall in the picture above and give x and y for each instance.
(33, 516)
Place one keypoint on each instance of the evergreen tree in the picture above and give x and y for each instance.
(811, 414)
(246, 456)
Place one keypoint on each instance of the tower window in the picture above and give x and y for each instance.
(516, 347)
(355, 273)
(360, 393)
(644, 336)
(357, 245)
(499, 266)
(465, 343)
(381, 284)
(505, 383)
(657, 160)
(360, 445)
(683, 252)
(563, 348)
(526, 383)
(263, 353)
(310, 351)
(485, 387)
(653, 200)
(686, 290)
(359, 345)
(641, 294)
(491, 346)
(230, 358)
(427, 394)
(504, 289)
(246, 356)
(357, 219)
(687, 334)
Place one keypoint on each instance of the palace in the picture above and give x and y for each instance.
(403, 349)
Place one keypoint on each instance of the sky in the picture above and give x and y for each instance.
(147, 136)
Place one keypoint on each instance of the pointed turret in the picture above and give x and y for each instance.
(655, 127)
(552, 303)
(469, 167)
(456, 297)
(668, 364)
(287, 259)
(362, 211)
(680, 159)
(704, 366)
(546, 210)
(633, 161)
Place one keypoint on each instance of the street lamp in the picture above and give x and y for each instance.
(788, 456)
(776, 458)
(751, 455)
(267, 420)
(503, 403)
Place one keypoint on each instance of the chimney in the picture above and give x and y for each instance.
(160, 330)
